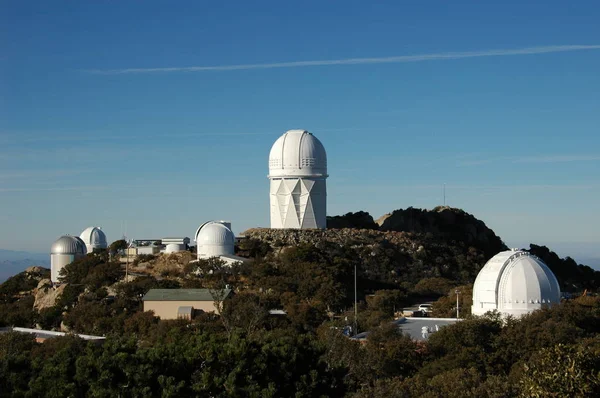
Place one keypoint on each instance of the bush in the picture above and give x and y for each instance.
(143, 258)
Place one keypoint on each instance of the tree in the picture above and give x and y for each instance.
(53, 367)
(245, 313)
(388, 301)
(562, 371)
(465, 344)
(433, 286)
(445, 307)
(117, 245)
(15, 363)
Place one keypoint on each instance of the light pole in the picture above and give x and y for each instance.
(457, 311)
(127, 259)
(355, 304)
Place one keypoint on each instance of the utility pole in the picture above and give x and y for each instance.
(127, 259)
(355, 304)
(457, 312)
(444, 194)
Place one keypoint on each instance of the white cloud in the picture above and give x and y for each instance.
(556, 159)
(356, 61)
(567, 158)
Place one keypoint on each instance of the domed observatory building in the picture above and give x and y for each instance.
(514, 282)
(216, 239)
(94, 238)
(64, 251)
(298, 170)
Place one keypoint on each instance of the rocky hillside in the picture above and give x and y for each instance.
(385, 256)
(406, 245)
(446, 223)
(450, 224)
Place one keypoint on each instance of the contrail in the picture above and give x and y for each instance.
(356, 61)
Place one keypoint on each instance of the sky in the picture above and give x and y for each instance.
(150, 118)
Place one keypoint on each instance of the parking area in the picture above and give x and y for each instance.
(414, 327)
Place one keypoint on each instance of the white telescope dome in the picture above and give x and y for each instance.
(68, 244)
(214, 238)
(514, 282)
(174, 248)
(94, 238)
(297, 153)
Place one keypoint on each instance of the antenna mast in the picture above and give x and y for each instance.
(444, 194)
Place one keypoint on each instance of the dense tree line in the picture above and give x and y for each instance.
(551, 352)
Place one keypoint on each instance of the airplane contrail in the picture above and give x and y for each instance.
(356, 61)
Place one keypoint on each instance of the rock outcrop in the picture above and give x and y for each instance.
(410, 244)
(447, 223)
(46, 295)
(358, 220)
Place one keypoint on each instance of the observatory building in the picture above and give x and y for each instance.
(514, 282)
(216, 239)
(94, 238)
(298, 170)
(175, 245)
(64, 251)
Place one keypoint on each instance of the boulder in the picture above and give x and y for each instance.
(46, 295)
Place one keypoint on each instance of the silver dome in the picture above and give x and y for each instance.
(68, 244)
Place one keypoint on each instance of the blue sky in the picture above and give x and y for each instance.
(108, 114)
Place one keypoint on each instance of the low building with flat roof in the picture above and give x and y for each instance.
(43, 335)
(418, 328)
(183, 303)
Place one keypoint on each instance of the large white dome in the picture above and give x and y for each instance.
(214, 238)
(68, 244)
(514, 282)
(297, 153)
(94, 238)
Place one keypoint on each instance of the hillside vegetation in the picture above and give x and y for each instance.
(410, 256)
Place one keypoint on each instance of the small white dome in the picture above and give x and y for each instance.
(174, 248)
(514, 282)
(214, 238)
(298, 153)
(94, 238)
(68, 244)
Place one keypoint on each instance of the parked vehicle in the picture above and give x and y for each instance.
(426, 308)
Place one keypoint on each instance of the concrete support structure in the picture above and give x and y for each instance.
(298, 171)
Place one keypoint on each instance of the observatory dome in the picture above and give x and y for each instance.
(214, 238)
(68, 244)
(514, 282)
(94, 238)
(297, 153)
(64, 251)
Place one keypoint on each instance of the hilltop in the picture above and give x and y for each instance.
(310, 275)
(444, 222)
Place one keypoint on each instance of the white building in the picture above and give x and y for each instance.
(298, 170)
(514, 282)
(64, 251)
(216, 239)
(174, 245)
(94, 238)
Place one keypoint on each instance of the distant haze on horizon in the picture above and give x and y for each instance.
(161, 116)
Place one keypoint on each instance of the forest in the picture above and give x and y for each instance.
(246, 351)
